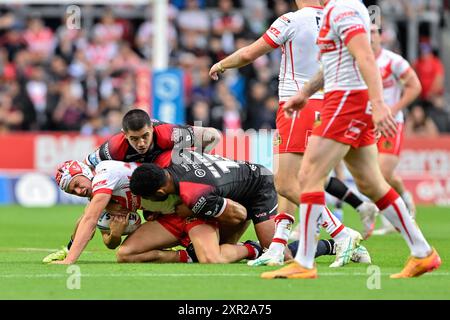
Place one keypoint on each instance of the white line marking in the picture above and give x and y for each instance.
(180, 275)
(33, 250)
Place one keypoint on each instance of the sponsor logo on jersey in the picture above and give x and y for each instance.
(274, 31)
(285, 19)
(200, 173)
(199, 205)
(344, 15)
(326, 45)
(108, 155)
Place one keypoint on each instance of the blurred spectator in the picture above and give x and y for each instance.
(11, 116)
(108, 28)
(37, 90)
(144, 36)
(40, 40)
(70, 111)
(227, 24)
(418, 124)
(431, 73)
(194, 24)
(439, 114)
(199, 114)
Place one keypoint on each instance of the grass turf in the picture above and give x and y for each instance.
(27, 235)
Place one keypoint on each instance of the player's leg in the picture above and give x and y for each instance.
(205, 239)
(363, 164)
(145, 244)
(313, 174)
(232, 233)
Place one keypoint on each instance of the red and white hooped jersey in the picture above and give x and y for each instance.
(296, 33)
(113, 177)
(392, 68)
(343, 19)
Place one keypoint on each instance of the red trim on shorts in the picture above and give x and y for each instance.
(269, 41)
(192, 224)
(353, 33)
(313, 198)
(388, 199)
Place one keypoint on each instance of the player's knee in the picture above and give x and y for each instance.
(210, 257)
(124, 255)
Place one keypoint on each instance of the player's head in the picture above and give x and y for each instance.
(375, 37)
(75, 177)
(138, 129)
(149, 182)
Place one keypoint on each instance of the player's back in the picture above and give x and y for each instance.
(296, 33)
(201, 173)
(343, 19)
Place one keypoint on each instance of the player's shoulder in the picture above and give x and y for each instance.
(117, 141)
(114, 166)
(287, 19)
(395, 57)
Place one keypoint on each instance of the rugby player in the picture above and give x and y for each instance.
(353, 111)
(401, 87)
(296, 34)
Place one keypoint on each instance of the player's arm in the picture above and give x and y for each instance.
(86, 227)
(207, 137)
(359, 47)
(223, 209)
(411, 90)
(241, 57)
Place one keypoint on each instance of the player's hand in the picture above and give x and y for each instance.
(118, 224)
(383, 119)
(183, 210)
(150, 216)
(295, 103)
(65, 261)
(215, 70)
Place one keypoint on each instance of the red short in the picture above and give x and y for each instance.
(180, 227)
(293, 133)
(347, 118)
(392, 145)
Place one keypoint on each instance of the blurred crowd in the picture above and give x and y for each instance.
(55, 78)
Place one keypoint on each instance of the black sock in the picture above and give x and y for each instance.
(69, 244)
(337, 188)
(324, 248)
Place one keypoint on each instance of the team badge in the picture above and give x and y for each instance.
(277, 140)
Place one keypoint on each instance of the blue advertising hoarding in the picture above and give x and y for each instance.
(168, 96)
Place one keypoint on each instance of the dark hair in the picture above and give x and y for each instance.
(147, 179)
(135, 119)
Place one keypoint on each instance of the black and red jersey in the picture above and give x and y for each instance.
(204, 181)
(165, 137)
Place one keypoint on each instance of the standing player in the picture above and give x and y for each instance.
(352, 112)
(296, 33)
(142, 140)
(401, 87)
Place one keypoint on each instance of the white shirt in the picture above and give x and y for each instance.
(343, 19)
(392, 68)
(113, 177)
(296, 33)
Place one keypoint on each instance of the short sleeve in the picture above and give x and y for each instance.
(281, 31)
(347, 22)
(400, 67)
(105, 181)
(209, 206)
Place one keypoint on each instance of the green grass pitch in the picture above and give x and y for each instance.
(27, 235)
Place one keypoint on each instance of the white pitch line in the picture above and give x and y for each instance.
(34, 250)
(179, 275)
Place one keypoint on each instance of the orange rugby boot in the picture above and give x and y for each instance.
(415, 267)
(292, 271)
